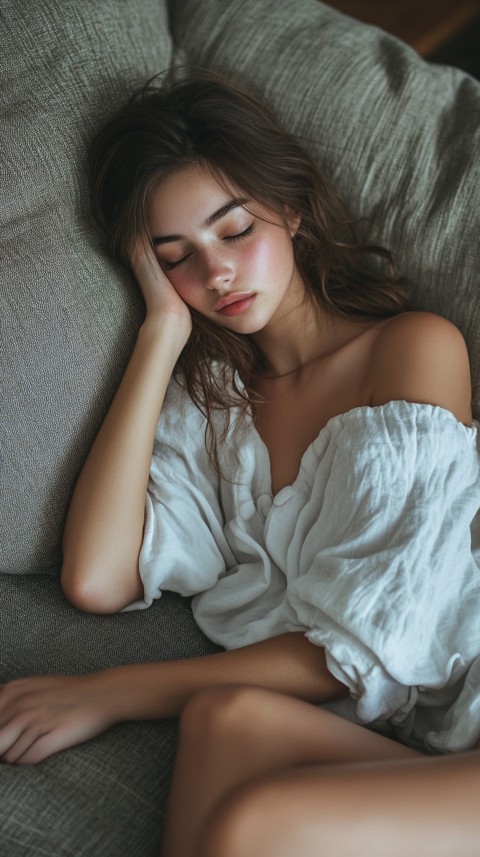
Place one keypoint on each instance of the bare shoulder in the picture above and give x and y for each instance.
(422, 357)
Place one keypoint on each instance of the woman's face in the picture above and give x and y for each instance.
(234, 266)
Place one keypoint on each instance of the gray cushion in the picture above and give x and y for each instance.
(68, 315)
(398, 136)
(105, 797)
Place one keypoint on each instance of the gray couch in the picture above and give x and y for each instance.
(398, 136)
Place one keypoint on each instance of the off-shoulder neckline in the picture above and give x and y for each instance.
(368, 413)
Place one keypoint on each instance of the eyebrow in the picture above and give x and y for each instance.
(236, 202)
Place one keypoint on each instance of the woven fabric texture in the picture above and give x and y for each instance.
(68, 315)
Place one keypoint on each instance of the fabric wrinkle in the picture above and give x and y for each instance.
(372, 552)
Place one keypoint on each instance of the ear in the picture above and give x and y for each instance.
(293, 219)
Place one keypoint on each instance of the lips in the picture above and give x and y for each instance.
(238, 307)
(232, 298)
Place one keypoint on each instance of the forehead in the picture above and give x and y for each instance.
(187, 196)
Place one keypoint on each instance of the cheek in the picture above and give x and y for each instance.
(273, 256)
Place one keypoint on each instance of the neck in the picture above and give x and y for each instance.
(296, 337)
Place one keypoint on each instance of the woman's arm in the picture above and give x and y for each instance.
(104, 526)
(42, 715)
(288, 663)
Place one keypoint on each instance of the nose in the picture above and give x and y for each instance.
(218, 271)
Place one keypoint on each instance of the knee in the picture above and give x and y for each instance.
(229, 711)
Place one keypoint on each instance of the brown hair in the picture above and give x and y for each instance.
(199, 118)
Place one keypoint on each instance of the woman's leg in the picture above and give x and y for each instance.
(423, 807)
(233, 736)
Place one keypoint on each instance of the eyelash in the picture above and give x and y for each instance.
(246, 232)
(241, 235)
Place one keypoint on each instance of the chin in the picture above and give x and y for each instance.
(246, 327)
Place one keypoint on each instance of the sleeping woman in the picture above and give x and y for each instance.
(294, 446)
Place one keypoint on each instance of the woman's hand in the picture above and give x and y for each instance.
(160, 297)
(42, 715)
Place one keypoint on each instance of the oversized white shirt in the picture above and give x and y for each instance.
(373, 552)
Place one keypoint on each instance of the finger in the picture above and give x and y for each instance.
(14, 699)
(141, 253)
(9, 735)
(43, 747)
(13, 690)
(21, 746)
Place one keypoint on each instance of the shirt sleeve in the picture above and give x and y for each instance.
(183, 549)
(387, 582)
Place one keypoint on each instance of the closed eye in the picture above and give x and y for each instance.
(169, 266)
(246, 232)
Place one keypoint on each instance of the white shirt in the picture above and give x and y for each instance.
(369, 552)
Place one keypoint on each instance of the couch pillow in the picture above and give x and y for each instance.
(68, 314)
(398, 136)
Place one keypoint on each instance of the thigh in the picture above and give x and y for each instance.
(419, 806)
(234, 737)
